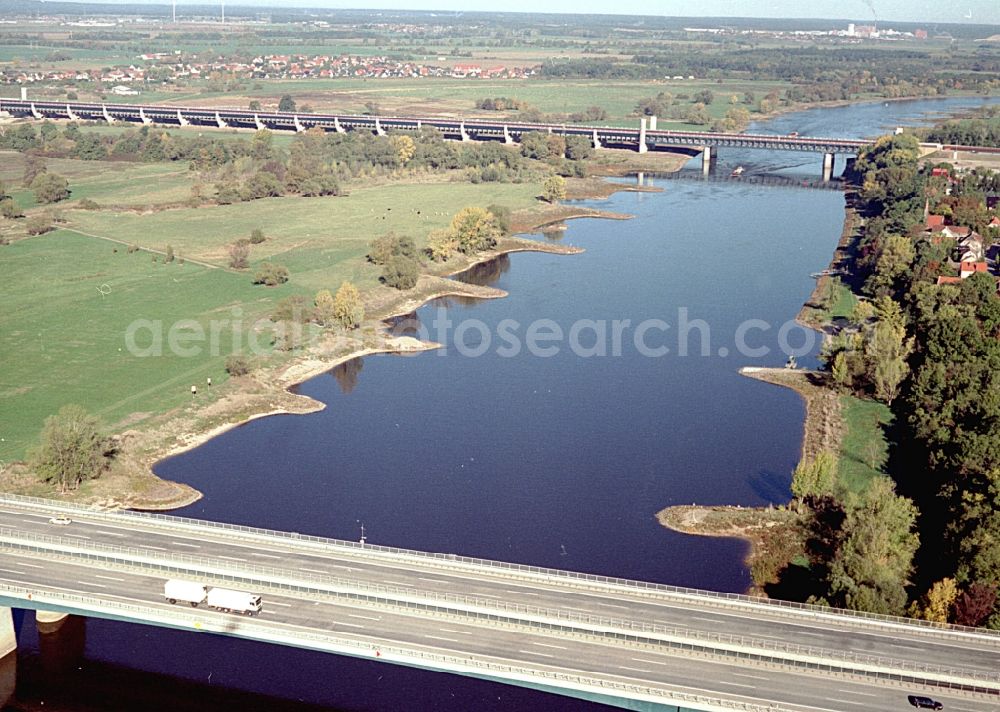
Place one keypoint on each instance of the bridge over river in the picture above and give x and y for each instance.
(626, 643)
(642, 138)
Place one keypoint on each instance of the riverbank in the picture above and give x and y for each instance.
(130, 481)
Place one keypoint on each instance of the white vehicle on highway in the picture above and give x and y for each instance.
(61, 519)
(176, 590)
(229, 601)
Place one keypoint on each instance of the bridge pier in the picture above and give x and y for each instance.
(49, 621)
(707, 160)
(71, 114)
(299, 128)
(652, 123)
(181, 120)
(258, 123)
(379, 131)
(111, 119)
(463, 133)
(35, 112)
(643, 148)
(597, 140)
(8, 638)
(506, 136)
(827, 166)
(218, 120)
(24, 93)
(143, 118)
(336, 125)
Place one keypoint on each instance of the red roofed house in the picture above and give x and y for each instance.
(967, 269)
(948, 280)
(939, 172)
(934, 221)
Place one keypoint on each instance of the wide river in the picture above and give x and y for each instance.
(558, 454)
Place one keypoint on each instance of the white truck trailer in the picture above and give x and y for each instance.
(224, 599)
(176, 590)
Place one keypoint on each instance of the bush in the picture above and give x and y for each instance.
(554, 189)
(169, 254)
(385, 247)
(50, 188)
(239, 255)
(401, 272)
(293, 309)
(256, 236)
(237, 365)
(502, 214)
(9, 209)
(88, 204)
(270, 275)
(348, 309)
(72, 448)
(38, 225)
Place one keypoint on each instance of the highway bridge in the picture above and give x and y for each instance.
(630, 644)
(643, 138)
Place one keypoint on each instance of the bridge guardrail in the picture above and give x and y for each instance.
(478, 607)
(379, 651)
(548, 573)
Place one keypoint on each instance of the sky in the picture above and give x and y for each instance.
(929, 11)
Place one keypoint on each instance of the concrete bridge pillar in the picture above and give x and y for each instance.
(143, 118)
(506, 135)
(597, 140)
(218, 120)
(35, 112)
(379, 131)
(49, 621)
(71, 114)
(181, 120)
(640, 179)
(298, 124)
(464, 134)
(420, 125)
(258, 123)
(827, 166)
(111, 119)
(707, 159)
(652, 123)
(24, 93)
(336, 125)
(643, 148)
(8, 639)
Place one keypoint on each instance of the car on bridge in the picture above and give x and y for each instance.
(924, 703)
(61, 519)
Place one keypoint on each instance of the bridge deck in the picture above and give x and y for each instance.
(524, 608)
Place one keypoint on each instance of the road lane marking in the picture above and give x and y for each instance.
(549, 645)
(154, 548)
(12, 571)
(624, 667)
(181, 543)
(651, 662)
(352, 625)
(276, 603)
(230, 558)
(367, 618)
(33, 566)
(612, 605)
(846, 702)
(754, 677)
(432, 580)
(533, 652)
(438, 637)
(735, 684)
(336, 566)
(854, 692)
(706, 620)
(77, 536)
(266, 556)
(101, 531)
(91, 583)
(108, 578)
(523, 593)
(397, 583)
(811, 635)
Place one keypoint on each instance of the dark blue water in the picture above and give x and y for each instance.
(558, 460)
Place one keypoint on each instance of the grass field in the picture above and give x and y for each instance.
(69, 300)
(322, 241)
(864, 448)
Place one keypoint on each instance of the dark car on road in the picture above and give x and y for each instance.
(924, 703)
